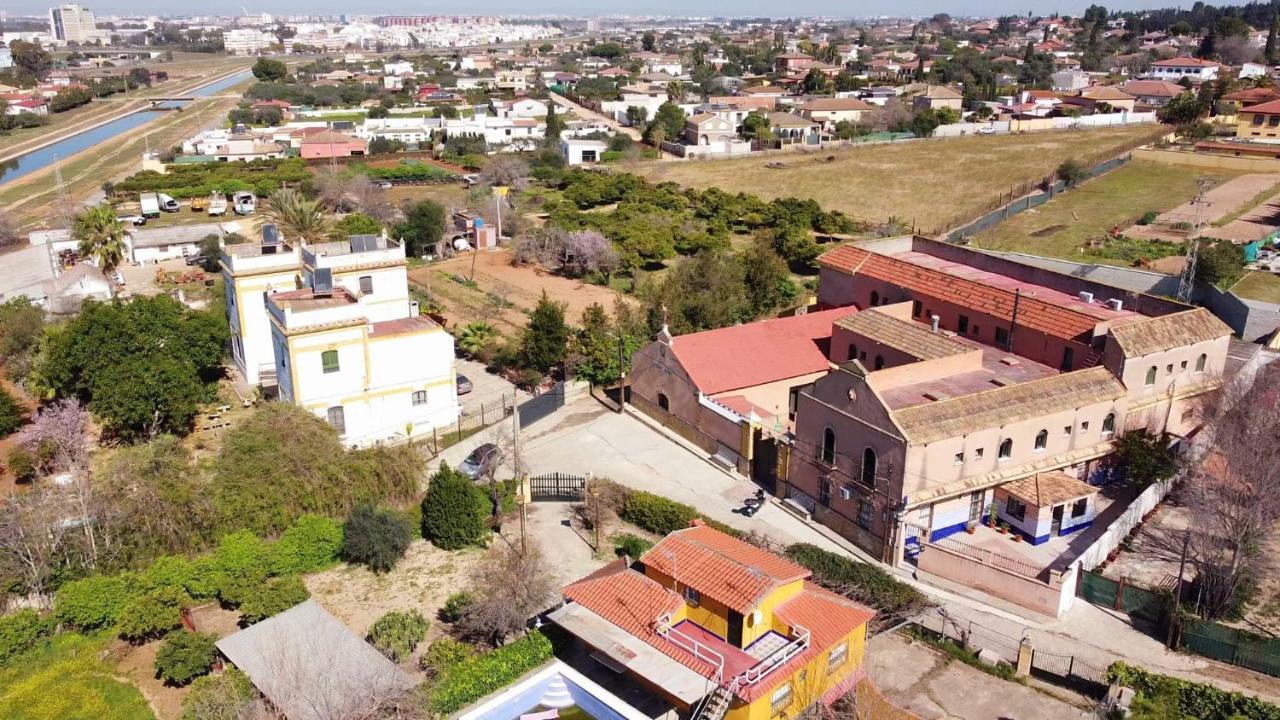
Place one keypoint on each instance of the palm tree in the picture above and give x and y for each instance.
(675, 91)
(296, 215)
(101, 237)
(474, 338)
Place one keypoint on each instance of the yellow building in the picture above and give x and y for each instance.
(720, 628)
(1259, 122)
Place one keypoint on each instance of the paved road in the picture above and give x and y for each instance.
(589, 114)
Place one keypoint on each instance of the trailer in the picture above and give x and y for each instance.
(150, 205)
(217, 204)
(199, 204)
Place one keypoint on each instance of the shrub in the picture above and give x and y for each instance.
(454, 510)
(443, 653)
(194, 577)
(312, 543)
(1148, 217)
(633, 546)
(242, 562)
(94, 603)
(12, 414)
(396, 634)
(663, 516)
(865, 583)
(471, 679)
(21, 631)
(273, 597)
(22, 464)
(1197, 700)
(185, 656)
(373, 537)
(152, 614)
(455, 606)
(228, 694)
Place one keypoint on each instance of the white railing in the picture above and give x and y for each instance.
(774, 660)
(688, 644)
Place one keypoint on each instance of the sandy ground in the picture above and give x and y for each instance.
(1252, 225)
(1219, 202)
(137, 662)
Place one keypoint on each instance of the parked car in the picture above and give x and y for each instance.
(986, 130)
(385, 185)
(196, 259)
(464, 385)
(480, 461)
(133, 219)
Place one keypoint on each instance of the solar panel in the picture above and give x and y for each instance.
(364, 243)
(322, 281)
(270, 234)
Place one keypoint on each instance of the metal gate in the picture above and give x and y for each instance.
(1088, 677)
(558, 487)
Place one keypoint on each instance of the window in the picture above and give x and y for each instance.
(693, 597)
(1258, 120)
(329, 360)
(977, 330)
(1151, 376)
(1066, 431)
(337, 419)
(915, 308)
(1042, 440)
(366, 284)
(664, 402)
(977, 505)
(780, 699)
(1084, 426)
(869, 467)
(978, 453)
(1200, 362)
(1109, 424)
(959, 458)
(963, 324)
(879, 362)
(862, 355)
(1002, 336)
(1079, 507)
(1015, 508)
(853, 351)
(864, 515)
(828, 454)
(1168, 369)
(875, 298)
(924, 516)
(838, 655)
(1068, 359)
(1006, 449)
(1183, 367)
(419, 397)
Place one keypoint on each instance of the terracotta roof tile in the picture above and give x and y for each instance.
(1048, 489)
(721, 567)
(912, 338)
(1166, 332)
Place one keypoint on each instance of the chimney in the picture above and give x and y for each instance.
(934, 321)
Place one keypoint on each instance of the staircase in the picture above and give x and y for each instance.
(716, 705)
(1091, 360)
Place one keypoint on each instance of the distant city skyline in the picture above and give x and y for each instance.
(586, 8)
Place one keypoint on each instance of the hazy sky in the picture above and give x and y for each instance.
(596, 7)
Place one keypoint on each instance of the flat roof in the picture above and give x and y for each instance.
(1000, 368)
(307, 299)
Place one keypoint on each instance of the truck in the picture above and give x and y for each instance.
(150, 205)
(167, 203)
(217, 204)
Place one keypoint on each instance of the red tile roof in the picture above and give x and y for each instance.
(1268, 108)
(1185, 62)
(756, 353)
(729, 570)
(1032, 313)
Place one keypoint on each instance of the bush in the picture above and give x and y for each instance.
(152, 614)
(94, 603)
(455, 606)
(228, 694)
(662, 516)
(312, 543)
(454, 510)
(272, 598)
(375, 538)
(396, 634)
(195, 577)
(472, 679)
(185, 656)
(443, 653)
(1196, 700)
(633, 546)
(21, 631)
(892, 599)
(1148, 217)
(22, 464)
(243, 562)
(12, 414)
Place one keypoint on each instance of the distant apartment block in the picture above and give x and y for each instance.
(73, 24)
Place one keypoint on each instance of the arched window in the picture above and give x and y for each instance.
(879, 362)
(869, 467)
(1151, 376)
(828, 455)
(1042, 439)
(1200, 361)
(875, 298)
(664, 402)
(1006, 449)
(1109, 424)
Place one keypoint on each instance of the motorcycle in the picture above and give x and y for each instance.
(753, 504)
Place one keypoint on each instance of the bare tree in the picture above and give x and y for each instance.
(506, 170)
(36, 531)
(8, 232)
(354, 192)
(587, 251)
(893, 114)
(1236, 50)
(510, 587)
(59, 437)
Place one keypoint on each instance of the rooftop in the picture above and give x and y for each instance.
(307, 299)
(1166, 332)
(915, 339)
(999, 369)
(1047, 489)
(401, 326)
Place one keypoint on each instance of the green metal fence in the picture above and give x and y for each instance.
(1098, 590)
(1233, 646)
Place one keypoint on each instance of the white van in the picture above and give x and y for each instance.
(167, 203)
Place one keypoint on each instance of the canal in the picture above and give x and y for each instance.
(45, 156)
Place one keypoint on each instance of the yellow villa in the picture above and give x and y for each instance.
(720, 628)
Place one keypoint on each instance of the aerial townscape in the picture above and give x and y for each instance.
(595, 362)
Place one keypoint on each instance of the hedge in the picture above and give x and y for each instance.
(95, 603)
(272, 598)
(152, 614)
(312, 543)
(865, 582)
(412, 172)
(1197, 700)
(663, 516)
(21, 631)
(473, 678)
(184, 181)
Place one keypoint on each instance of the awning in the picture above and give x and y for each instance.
(632, 653)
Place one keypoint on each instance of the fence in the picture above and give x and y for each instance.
(1119, 529)
(1233, 646)
(535, 409)
(1070, 669)
(470, 421)
(992, 558)
(1137, 602)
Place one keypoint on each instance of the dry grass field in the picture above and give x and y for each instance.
(935, 185)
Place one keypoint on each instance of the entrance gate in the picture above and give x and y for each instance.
(558, 487)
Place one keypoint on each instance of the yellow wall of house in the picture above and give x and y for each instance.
(808, 684)
(714, 615)
(769, 621)
(709, 614)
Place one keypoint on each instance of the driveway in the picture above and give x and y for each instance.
(489, 391)
(588, 114)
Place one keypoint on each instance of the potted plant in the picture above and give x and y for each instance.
(1017, 537)
(971, 526)
(991, 515)
(1004, 528)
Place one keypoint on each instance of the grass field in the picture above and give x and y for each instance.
(1261, 286)
(1063, 226)
(67, 681)
(936, 185)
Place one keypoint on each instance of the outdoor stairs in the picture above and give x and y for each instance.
(717, 705)
(1091, 360)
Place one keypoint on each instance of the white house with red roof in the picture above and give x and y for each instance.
(1174, 69)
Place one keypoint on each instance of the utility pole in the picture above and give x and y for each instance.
(515, 434)
(64, 208)
(1187, 281)
(1013, 321)
(622, 372)
(1177, 590)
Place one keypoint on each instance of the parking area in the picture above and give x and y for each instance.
(488, 392)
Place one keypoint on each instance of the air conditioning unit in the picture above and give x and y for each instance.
(1115, 304)
(845, 492)
(1086, 296)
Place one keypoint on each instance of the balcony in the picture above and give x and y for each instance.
(737, 667)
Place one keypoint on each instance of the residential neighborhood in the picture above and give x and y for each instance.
(684, 363)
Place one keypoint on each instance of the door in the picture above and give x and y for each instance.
(1056, 526)
(764, 461)
(824, 492)
(976, 506)
(735, 629)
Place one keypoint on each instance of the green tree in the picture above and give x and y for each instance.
(12, 414)
(272, 597)
(229, 695)
(355, 224)
(1146, 457)
(1182, 110)
(545, 339)
(297, 216)
(376, 538)
(422, 228)
(554, 124)
(766, 278)
(454, 510)
(378, 112)
(923, 123)
(268, 70)
(670, 118)
(476, 339)
(1269, 50)
(1208, 45)
(1072, 172)
(1221, 264)
(816, 82)
(30, 61)
(648, 41)
(597, 345)
(185, 656)
(101, 237)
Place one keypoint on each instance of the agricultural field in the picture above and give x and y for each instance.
(935, 185)
(1064, 226)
